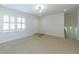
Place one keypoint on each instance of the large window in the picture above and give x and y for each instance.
(11, 23)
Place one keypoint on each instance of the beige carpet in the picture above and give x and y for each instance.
(41, 45)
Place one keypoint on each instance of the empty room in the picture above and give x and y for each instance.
(39, 28)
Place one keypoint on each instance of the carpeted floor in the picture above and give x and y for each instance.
(40, 45)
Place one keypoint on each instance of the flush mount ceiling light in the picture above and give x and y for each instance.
(39, 8)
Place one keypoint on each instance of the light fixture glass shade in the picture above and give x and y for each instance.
(39, 8)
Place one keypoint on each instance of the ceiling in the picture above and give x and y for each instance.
(49, 8)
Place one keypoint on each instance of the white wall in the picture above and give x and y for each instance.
(31, 25)
(78, 25)
(52, 25)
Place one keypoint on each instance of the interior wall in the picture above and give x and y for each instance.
(53, 25)
(31, 25)
(78, 25)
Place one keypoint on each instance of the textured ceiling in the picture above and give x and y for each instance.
(49, 8)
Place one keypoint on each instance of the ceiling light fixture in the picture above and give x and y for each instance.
(39, 8)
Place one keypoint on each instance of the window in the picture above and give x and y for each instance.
(10, 23)
(6, 26)
(12, 26)
(19, 26)
(6, 23)
(20, 23)
(6, 18)
(19, 20)
(23, 20)
(12, 19)
(23, 23)
(23, 26)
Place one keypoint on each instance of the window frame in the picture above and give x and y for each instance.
(15, 22)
